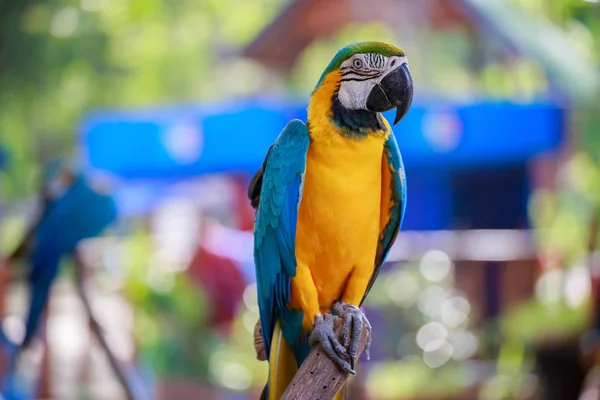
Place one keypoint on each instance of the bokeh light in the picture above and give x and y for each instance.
(435, 265)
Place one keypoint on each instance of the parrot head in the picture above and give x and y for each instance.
(368, 78)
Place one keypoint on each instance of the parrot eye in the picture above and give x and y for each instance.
(357, 63)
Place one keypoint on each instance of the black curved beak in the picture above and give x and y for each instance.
(394, 91)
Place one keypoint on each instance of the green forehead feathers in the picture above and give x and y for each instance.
(382, 48)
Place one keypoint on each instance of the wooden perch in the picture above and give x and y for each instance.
(319, 377)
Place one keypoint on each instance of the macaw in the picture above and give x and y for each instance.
(72, 210)
(330, 199)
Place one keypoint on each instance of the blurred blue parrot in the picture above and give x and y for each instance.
(72, 210)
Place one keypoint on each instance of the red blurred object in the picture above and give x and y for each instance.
(223, 284)
(219, 275)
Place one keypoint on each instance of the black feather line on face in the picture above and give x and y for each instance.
(356, 79)
(362, 73)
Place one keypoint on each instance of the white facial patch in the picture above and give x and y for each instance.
(353, 95)
(360, 73)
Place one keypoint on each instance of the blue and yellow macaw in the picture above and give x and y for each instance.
(330, 200)
(72, 210)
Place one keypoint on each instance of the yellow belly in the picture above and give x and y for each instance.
(338, 219)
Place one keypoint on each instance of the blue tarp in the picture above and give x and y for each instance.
(478, 134)
(190, 141)
(153, 149)
(183, 142)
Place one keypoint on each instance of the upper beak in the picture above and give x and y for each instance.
(394, 91)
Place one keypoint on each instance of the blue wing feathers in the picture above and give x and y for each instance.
(397, 208)
(397, 211)
(275, 231)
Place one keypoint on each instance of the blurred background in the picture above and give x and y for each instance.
(167, 108)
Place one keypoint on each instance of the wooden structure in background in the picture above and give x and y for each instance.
(304, 21)
(516, 283)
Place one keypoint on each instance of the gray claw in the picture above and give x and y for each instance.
(323, 333)
(354, 321)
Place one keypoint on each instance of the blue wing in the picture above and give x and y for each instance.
(393, 204)
(275, 231)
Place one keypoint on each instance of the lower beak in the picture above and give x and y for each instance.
(394, 91)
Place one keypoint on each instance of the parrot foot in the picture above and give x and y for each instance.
(354, 322)
(323, 333)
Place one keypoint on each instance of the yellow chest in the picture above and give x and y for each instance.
(343, 181)
(338, 220)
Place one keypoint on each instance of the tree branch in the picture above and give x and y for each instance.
(123, 373)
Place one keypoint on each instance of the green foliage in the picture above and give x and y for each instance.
(409, 379)
(535, 322)
(170, 313)
(60, 59)
(233, 364)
